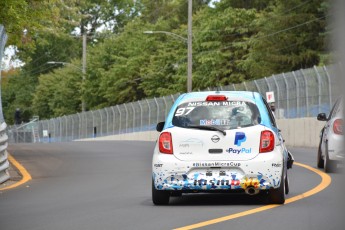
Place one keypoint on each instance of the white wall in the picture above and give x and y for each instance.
(301, 132)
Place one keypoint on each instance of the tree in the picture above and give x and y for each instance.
(220, 43)
(17, 93)
(58, 93)
(289, 38)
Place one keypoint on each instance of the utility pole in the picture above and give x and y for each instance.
(190, 60)
(83, 72)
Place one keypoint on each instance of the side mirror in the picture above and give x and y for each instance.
(160, 126)
(322, 117)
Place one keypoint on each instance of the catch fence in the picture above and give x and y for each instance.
(298, 94)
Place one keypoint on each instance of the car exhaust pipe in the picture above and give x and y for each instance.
(251, 190)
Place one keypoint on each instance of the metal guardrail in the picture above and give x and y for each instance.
(299, 94)
(4, 164)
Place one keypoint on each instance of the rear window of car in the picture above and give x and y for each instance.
(221, 114)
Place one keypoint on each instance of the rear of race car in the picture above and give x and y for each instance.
(218, 143)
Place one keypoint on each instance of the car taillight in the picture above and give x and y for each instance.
(338, 126)
(165, 143)
(266, 141)
(216, 98)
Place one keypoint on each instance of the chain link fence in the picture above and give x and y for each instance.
(298, 94)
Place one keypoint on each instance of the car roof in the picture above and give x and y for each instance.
(233, 95)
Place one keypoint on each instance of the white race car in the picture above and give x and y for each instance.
(220, 141)
(331, 146)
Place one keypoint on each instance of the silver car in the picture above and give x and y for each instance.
(331, 150)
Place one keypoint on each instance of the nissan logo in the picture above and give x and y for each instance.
(215, 138)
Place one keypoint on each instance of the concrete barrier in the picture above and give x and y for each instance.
(301, 132)
(4, 164)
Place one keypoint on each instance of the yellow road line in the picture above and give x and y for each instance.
(25, 174)
(325, 182)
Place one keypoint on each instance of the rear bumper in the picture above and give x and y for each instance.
(263, 173)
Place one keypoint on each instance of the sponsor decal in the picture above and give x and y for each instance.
(216, 103)
(184, 111)
(186, 153)
(192, 142)
(215, 138)
(240, 137)
(158, 165)
(184, 145)
(238, 151)
(215, 122)
(217, 164)
(276, 165)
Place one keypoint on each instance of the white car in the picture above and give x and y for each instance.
(331, 146)
(220, 141)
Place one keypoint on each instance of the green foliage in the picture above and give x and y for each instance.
(234, 41)
(289, 38)
(58, 93)
(220, 44)
(17, 93)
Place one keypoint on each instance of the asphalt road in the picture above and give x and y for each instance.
(107, 185)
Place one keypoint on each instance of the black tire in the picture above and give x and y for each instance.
(160, 197)
(320, 161)
(277, 196)
(287, 185)
(329, 166)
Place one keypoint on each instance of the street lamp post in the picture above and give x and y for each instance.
(77, 67)
(190, 64)
(189, 44)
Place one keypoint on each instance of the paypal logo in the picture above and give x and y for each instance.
(239, 138)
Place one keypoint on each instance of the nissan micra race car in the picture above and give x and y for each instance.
(220, 141)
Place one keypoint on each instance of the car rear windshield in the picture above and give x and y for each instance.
(220, 114)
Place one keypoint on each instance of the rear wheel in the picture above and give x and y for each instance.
(287, 188)
(277, 196)
(320, 161)
(160, 197)
(329, 166)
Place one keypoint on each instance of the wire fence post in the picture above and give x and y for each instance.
(287, 95)
(165, 107)
(172, 97)
(157, 107)
(101, 124)
(113, 111)
(106, 112)
(93, 124)
(85, 124)
(278, 94)
(245, 86)
(148, 104)
(126, 117)
(329, 85)
(117, 106)
(72, 118)
(133, 124)
(66, 127)
(141, 116)
(257, 86)
(319, 87)
(306, 92)
(60, 126)
(297, 92)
